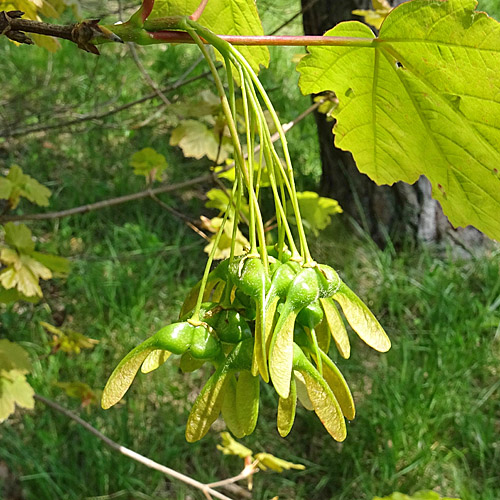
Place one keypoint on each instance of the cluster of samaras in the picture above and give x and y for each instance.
(273, 323)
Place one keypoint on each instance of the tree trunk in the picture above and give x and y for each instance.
(399, 210)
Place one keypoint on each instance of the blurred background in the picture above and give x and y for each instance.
(428, 412)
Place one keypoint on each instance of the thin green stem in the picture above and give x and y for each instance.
(293, 196)
(191, 27)
(195, 318)
(275, 176)
(246, 115)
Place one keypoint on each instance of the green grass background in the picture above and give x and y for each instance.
(428, 411)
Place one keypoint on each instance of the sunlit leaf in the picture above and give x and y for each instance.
(268, 461)
(316, 211)
(224, 247)
(230, 446)
(149, 163)
(421, 99)
(19, 236)
(14, 391)
(22, 184)
(53, 262)
(13, 357)
(377, 15)
(22, 272)
(197, 140)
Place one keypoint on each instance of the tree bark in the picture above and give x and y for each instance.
(399, 210)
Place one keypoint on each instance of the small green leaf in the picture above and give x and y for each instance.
(13, 357)
(12, 295)
(5, 188)
(68, 340)
(53, 262)
(316, 210)
(266, 460)
(19, 236)
(196, 141)
(14, 390)
(24, 185)
(36, 192)
(362, 320)
(230, 446)
(149, 163)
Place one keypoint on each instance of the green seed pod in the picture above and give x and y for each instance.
(273, 251)
(204, 345)
(329, 280)
(230, 326)
(175, 338)
(253, 280)
(189, 364)
(208, 404)
(311, 315)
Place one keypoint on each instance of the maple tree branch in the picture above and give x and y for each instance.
(156, 32)
(110, 202)
(206, 489)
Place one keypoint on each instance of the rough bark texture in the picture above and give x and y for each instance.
(399, 210)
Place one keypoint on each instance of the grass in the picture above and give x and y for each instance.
(428, 410)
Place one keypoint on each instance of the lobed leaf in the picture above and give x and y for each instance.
(13, 357)
(421, 99)
(14, 390)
